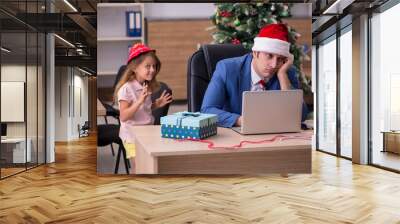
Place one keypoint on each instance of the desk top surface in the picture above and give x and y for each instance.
(391, 132)
(149, 136)
(13, 140)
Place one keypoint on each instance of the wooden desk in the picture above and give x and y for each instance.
(156, 155)
(101, 111)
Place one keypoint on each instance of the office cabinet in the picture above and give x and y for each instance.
(391, 141)
(114, 23)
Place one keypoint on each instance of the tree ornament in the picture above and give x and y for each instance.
(236, 22)
(235, 41)
(226, 14)
(272, 7)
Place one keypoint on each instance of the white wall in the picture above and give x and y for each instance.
(13, 73)
(17, 73)
(61, 103)
(50, 94)
(33, 127)
(80, 93)
(203, 10)
(83, 83)
(70, 83)
(302, 10)
(178, 10)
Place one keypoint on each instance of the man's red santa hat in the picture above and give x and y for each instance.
(273, 38)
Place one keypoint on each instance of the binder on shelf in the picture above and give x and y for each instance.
(134, 23)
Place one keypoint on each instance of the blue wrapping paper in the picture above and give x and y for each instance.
(188, 125)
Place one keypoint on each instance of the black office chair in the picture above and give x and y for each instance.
(107, 134)
(110, 111)
(121, 71)
(201, 66)
(163, 111)
(83, 130)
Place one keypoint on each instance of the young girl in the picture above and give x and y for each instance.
(133, 93)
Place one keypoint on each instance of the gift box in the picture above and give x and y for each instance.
(189, 125)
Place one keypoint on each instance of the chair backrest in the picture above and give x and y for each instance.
(110, 110)
(86, 125)
(121, 71)
(163, 111)
(107, 134)
(201, 66)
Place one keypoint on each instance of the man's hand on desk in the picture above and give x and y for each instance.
(239, 122)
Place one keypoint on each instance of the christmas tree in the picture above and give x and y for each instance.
(239, 23)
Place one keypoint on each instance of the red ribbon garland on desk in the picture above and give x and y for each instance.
(241, 143)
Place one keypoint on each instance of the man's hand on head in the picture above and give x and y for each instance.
(283, 74)
(286, 66)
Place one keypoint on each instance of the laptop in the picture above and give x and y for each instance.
(273, 111)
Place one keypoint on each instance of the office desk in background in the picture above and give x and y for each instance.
(13, 150)
(391, 141)
(157, 155)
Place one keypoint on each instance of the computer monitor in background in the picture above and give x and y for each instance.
(3, 129)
